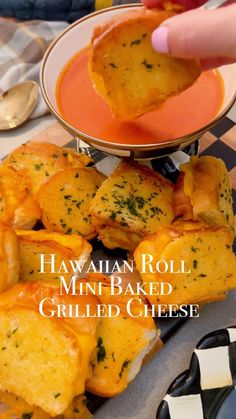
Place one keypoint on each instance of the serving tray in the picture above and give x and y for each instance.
(219, 142)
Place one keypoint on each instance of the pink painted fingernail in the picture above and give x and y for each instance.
(160, 39)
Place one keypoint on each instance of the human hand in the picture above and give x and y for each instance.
(209, 35)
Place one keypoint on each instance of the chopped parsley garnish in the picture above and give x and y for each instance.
(57, 395)
(195, 264)
(113, 215)
(101, 351)
(156, 210)
(38, 166)
(135, 42)
(140, 201)
(27, 415)
(124, 365)
(113, 65)
(147, 65)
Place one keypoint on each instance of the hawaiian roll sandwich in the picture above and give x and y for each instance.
(49, 255)
(9, 257)
(40, 358)
(206, 263)
(65, 201)
(111, 349)
(204, 193)
(127, 72)
(18, 207)
(46, 357)
(133, 202)
(39, 160)
(123, 341)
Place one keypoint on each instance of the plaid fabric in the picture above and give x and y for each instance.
(22, 46)
(199, 392)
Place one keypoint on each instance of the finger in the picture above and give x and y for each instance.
(198, 33)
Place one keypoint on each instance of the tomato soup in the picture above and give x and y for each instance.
(82, 107)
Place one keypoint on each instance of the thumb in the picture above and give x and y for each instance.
(198, 34)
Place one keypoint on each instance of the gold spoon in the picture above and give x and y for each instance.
(17, 104)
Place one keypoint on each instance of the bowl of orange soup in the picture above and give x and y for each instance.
(71, 97)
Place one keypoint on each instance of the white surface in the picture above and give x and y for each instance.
(232, 114)
(232, 335)
(143, 396)
(185, 407)
(12, 139)
(214, 367)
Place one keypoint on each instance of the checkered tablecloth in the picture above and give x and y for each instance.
(196, 393)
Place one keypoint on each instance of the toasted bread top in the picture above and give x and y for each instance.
(122, 343)
(40, 361)
(77, 245)
(65, 200)
(31, 294)
(209, 262)
(39, 160)
(127, 72)
(204, 192)
(152, 17)
(17, 205)
(134, 199)
(9, 257)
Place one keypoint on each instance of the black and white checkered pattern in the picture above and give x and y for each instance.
(167, 166)
(196, 394)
